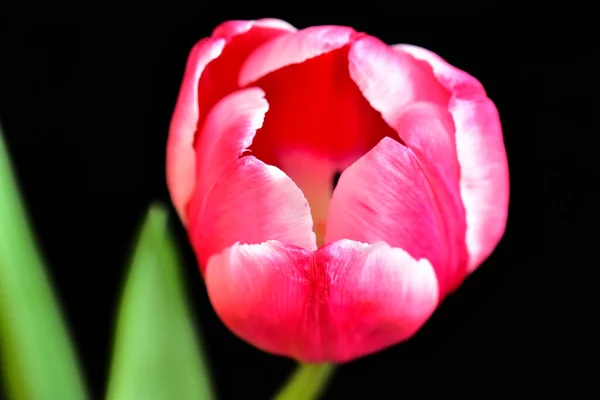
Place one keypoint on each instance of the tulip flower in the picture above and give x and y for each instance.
(335, 189)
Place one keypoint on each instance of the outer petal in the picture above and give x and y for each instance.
(385, 196)
(210, 73)
(227, 132)
(484, 181)
(181, 170)
(413, 102)
(377, 296)
(243, 37)
(346, 300)
(389, 79)
(293, 49)
(230, 29)
(428, 130)
(252, 202)
(450, 77)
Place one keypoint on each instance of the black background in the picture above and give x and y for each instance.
(86, 113)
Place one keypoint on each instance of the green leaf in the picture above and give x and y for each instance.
(37, 355)
(307, 382)
(156, 355)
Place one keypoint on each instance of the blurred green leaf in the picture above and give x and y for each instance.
(307, 382)
(37, 356)
(156, 355)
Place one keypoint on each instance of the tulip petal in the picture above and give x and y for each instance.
(227, 132)
(389, 79)
(344, 301)
(485, 178)
(210, 74)
(484, 182)
(252, 202)
(181, 171)
(243, 37)
(386, 196)
(230, 29)
(377, 296)
(293, 49)
(450, 77)
(413, 102)
(428, 130)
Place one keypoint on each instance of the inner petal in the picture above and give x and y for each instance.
(318, 124)
(219, 78)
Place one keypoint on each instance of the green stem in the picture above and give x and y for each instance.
(307, 382)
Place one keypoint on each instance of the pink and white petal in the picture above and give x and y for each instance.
(450, 77)
(210, 74)
(233, 28)
(389, 79)
(376, 296)
(225, 135)
(344, 301)
(415, 105)
(412, 102)
(251, 202)
(260, 292)
(181, 170)
(481, 154)
(293, 49)
(385, 196)
(484, 180)
(428, 130)
(221, 76)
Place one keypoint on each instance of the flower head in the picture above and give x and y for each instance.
(335, 189)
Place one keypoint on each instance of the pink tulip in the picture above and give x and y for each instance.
(267, 117)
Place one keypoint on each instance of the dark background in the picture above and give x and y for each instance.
(86, 113)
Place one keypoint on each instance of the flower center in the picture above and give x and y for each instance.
(336, 178)
(318, 124)
(316, 175)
